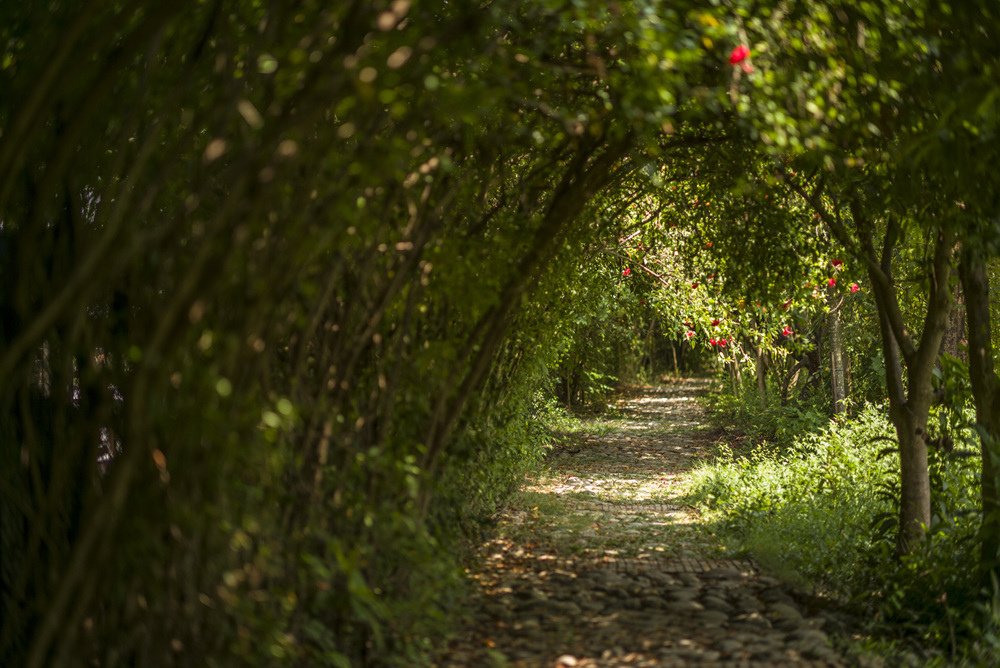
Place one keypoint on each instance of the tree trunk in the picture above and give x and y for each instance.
(761, 378)
(791, 378)
(909, 406)
(735, 376)
(986, 394)
(649, 351)
(915, 484)
(838, 374)
(956, 326)
(915, 497)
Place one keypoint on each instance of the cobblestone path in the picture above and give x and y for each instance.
(599, 563)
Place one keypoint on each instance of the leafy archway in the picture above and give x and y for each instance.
(280, 284)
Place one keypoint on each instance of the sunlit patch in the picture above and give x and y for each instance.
(581, 561)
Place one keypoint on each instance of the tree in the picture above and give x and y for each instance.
(284, 253)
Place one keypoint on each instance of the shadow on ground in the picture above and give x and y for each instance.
(599, 563)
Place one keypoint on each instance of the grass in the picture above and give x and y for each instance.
(817, 507)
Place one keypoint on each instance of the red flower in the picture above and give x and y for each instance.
(832, 282)
(722, 343)
(626, 271)
(855, 287)
(715, 323)
(709, 244)
(836, 263)
(787, 331)
(689, 334)
(739, 54)
(694, 285)
(712, 342)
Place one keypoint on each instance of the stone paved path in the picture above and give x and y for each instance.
(599, 563)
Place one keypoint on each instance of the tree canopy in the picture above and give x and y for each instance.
(282, 284)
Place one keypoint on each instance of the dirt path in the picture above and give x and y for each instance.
(598, 562)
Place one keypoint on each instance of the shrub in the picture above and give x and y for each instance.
(820, 512)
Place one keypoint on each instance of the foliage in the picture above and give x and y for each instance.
(744, 423)
(294, 277)
(284, 289)
(819, 512)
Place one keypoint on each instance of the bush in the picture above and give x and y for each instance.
(821, 512)
(741, 416)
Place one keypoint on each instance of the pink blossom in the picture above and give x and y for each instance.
(626, 271)
(832, 282)
(855, 287)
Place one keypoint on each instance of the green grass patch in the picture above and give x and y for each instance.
(820, 511)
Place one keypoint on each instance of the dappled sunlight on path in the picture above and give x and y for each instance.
(598, 562)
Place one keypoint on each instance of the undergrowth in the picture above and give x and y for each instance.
(742, 419)
(814, 501)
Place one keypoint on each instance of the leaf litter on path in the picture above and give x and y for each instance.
(598, 562)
